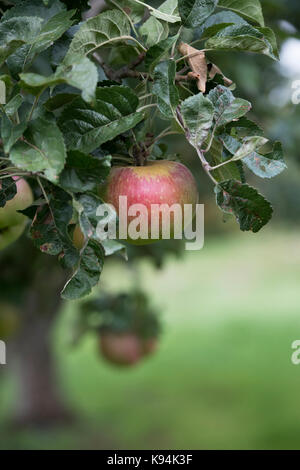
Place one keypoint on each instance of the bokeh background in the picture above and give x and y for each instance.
(222, 377)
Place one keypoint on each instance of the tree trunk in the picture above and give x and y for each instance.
(40, 279)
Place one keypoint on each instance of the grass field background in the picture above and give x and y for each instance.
(222, 377)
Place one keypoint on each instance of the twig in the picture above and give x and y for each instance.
(9, 168)
(206, 166)
(125, 72)
(44, 192)
(15, 174)
(165, 134)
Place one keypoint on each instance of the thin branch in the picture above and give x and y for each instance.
(44, 192)
(165, 134)
(15, 174)
(206, 166)
(9, 168)
(124, 72)
(124, 159)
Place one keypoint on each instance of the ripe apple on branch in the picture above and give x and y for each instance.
(101, 115)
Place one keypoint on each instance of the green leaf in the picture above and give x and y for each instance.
(158, 52)
(15, 32)
(169, 7)
(250, 9)
(112, 247)
(106, 29)
(59, 100)
(7, 85)
(131, 8)
(269, 35)
(197, 114)
(213, 30)
(43, 149)
(230, 143)
(215, 157)
(227, 107)
(87, 273)
(165, 12)
(268, 165)
(249, 145)
(10, 133)
(154, 31)
(80, 73)
(194, 12)
(164, 88)
(85, 128)
(32, 35)
(241, 38)
(34, 8)
(87, 205)
(13, 105)
(89, 268)
(249, 207)
(49, 229)
(246, 126)
(52, 30)
(263, 165)
(8, 190)
(84, 172)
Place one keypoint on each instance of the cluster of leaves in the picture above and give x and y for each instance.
(80, 96)
(118, 313)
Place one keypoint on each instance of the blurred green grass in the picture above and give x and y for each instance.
(222, 378)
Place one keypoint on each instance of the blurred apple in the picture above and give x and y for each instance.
(12, 223)
(125, 349)
(78, 238)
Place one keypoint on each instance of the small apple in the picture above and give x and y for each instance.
(78, 238)
(12, 223)
(125, 349)
(122, 349)
(159, 182)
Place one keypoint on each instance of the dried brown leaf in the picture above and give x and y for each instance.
(198, 64)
